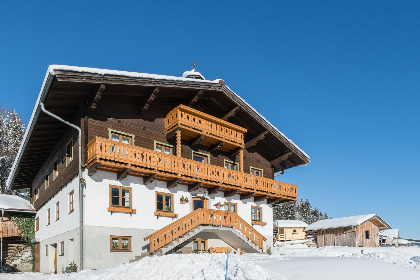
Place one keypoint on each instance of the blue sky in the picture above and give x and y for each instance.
(340, 78)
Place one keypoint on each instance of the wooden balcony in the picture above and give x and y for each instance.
(202, 216)
(124, 159)
(194, 124)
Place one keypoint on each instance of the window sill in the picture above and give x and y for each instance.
(166, 214)
(119, 250)
(258, 223)
(121, 209)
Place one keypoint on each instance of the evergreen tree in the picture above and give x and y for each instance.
(11, 134)
(298, 210)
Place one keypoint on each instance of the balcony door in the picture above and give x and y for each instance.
(199, 202)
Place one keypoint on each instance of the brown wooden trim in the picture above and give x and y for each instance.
(94, 168)
(230, 206)
(195, 187)
(173, 183)
(247, 196)
(118, 208)
(230, 113)
(149, 179)
(230, 193)
(163, 201)
(196, 97)
(256, 210)
(213, 190)
(121, 209)
(197, 140)
(148, 100)
(123, 174)
(95, 100)
(255, 140)
(166, 214)
(258, 223)
(199, 245)
(71, 201)
(260, 198)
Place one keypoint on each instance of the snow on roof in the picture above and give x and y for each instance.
(289, 223)
(340, 222)
(393, 232)
(14, 202)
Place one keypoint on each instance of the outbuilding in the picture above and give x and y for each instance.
(288, 230)
(354, 231)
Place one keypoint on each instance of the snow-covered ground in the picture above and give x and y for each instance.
(286, 263)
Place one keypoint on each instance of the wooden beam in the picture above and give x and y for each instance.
(260, 198)
(149, 99)
(218, 146)
(149, 179)
(231, 113)
(195, 187)
(213, 190)
(281, 158)
(94, 168)
(95, 100)
(230, 193)
(197, 140)
(247, 196)
(273, 200)
(173, 183)
(123, 174)
(235, 152)
(255, 140)
(196, 97)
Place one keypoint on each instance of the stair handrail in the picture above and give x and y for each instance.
(199, 217)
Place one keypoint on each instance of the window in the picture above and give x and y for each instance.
(256, 216)
(62, 248)
(55, 169)
(256, 171)
(47, 181)
(231, 165)
(36, 191)
(200, 245)
(256, 213)
(367, 234)
(163, 148)
(37, 224)
(294, 231)
(71, 201)
(46, 250)
(232, 207)
(120, 243)
(48, 216)
(164, 205)
(69, 152)
(120, 199)
(121, 137)
(57, 211)
(201, 157)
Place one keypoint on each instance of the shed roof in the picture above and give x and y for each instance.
(15, 203)
(289, 223)
(348, 222)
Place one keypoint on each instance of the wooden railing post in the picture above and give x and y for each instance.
(178, 143)
(241, 160)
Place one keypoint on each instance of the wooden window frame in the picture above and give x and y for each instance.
(36, 223)
(62, 248)
(230, 207)
(71, 201)
(121, 133)
(48, 216)
(202, 155)
(47, 180)
(231, 162)
(199, 245)
(57, 211)
(55, 169)
(120, 249)
(120, 207)
(256, 169)
(163, 212)
(69, 159)
(163, 145)
(260, 221)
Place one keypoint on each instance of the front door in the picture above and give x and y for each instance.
(199, 202)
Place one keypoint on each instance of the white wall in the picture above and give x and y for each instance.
(68, 221)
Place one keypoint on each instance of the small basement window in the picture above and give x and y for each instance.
(120, 243)
(200, 245)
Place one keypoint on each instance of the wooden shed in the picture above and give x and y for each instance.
(354, 231)
(288, 230)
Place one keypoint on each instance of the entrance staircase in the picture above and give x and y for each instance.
(227, 225)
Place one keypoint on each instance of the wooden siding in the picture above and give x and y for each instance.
(349, 236)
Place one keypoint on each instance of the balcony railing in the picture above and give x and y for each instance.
(114, 156)
(194, 121)
(203, 217)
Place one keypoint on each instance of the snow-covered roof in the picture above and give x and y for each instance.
(289, 223)
(14, 202)
(193, 75)
(393, 232)
(340, 222)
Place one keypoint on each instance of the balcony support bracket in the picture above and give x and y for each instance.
(256, 139)
(214, 190)
(173, 183)
(218, 146)
(123, 174)
(148, 100)
(197, 140)
(195, 187)
(247, 196)
(230, 193)
(149, 179)
(95, 100)
(195, 98)
(230, 113)
(94, 168)
(260, 198)
(274, 200)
